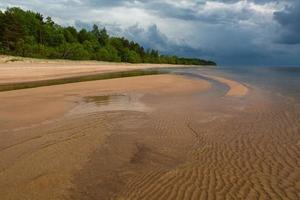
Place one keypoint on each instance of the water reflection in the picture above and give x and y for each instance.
(113, 102)
(108, 99)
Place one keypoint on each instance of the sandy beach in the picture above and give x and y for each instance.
(15, 69)
(154, 137)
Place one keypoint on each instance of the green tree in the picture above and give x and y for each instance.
(70, 34)
(108, 53)
(1, 30)
(73, 51)
(101, 35)
(134, 57)
(12, 32)
(84, 35)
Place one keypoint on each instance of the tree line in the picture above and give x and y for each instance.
(29, 34)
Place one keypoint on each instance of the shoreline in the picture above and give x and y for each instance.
(43, 69)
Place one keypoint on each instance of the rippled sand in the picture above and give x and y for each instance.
(169, 137)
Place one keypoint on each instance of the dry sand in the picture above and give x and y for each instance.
(17, 69)
(169, 137)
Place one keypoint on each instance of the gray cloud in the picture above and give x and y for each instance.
(290, 22)
(191, 12)
(107, 3)
(255, 1)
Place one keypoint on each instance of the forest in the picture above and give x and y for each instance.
(29, 34)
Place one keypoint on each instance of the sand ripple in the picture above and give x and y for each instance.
(199, 149)
(188, 146)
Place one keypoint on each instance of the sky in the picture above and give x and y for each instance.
(230, 32)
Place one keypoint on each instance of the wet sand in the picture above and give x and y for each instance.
(236, 89)
(46, 138)
(154, 137)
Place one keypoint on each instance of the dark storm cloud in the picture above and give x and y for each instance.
(152, 37)
(290, 21)
(164, 9)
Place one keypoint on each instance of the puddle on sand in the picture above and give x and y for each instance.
(108, 99)
(115, 102)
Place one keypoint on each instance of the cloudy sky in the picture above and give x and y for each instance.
(231, 32)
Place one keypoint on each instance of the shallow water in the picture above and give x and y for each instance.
(280, 80)
(108, 99)
(112, 102)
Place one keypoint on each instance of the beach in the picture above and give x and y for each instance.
(17, 69)
(199, 135)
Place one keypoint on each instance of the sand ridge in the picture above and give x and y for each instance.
(236, 89)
